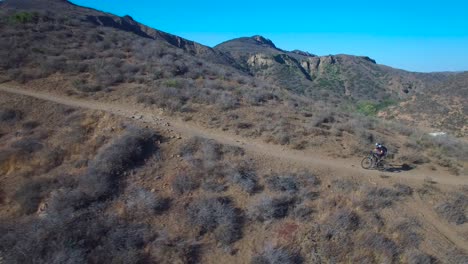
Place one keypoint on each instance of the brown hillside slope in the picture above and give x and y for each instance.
(195, 200)
(262, 149)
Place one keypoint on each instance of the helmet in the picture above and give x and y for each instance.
(377, 144)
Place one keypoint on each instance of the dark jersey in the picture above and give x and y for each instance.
(383, 150)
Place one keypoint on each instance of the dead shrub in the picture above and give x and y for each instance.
(339, 223)
(30, 125)
(31, 193)
(303, 212)
(414, 158)
(268, 208)
(216, 215)
(10, 115)
(282, 183)
(141, 202)
(382, 247)
(454, 209)
(145, 99)
(419, 257)
(168, 251)
(184, 183)
(378, 198)
(114, 159)
(277, 256)
(85, 86)
(213, 186)
(27, 145)
(245, 178)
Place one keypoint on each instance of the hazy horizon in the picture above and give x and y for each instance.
(424, 38)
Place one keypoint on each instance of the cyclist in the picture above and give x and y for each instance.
(380, 151)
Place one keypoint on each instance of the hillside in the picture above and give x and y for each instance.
(134, 53)
(344, 78)
(82, 185)
(339, 75)
(125, 144)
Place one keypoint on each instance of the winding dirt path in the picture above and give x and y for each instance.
(307, 159)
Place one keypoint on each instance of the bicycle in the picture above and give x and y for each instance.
(372, 161)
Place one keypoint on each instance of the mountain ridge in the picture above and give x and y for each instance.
(358, 78)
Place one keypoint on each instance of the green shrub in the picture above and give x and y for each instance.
(172, 83)
(367, 108)
(24, 17)
(371, 109)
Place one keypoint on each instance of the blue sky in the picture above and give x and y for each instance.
(412, 35)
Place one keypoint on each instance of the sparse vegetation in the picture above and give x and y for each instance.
(417, 257)
(371, 109)
(378, 198)
(269, 208)
(183, 183)
(341, 221)
(303, 212)
(403, 189)
(455, 209)
(216, 215)
(382, 247)
(144, 202)
(30, 194)
(277, 256)
(24, 17)
(408, 233)
(10, 115)
(27, 146)
(282, 183)
(113, 160)
(246, 179)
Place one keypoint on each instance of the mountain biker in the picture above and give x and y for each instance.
(380, 151)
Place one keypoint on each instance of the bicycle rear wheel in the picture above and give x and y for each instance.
(381, 166)
(367, 163)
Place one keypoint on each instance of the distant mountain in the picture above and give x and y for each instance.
(339, 78)
(338, 75)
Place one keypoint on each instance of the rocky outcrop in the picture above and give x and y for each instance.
(264, 41)
(260, 61)
(303, 53)
(317, 65)
(125, 23)
(368, 59)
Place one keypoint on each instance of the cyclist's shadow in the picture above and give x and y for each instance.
(398, 167)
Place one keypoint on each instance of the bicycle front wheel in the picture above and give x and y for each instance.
(367, 163)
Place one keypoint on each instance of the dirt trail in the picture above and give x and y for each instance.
(261, 149)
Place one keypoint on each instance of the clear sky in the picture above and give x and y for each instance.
(412, 35)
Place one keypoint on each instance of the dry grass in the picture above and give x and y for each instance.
(112, 161)
(455, 209)
(217, 215)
